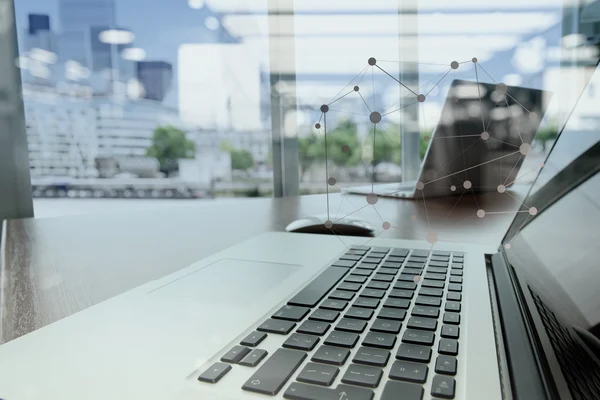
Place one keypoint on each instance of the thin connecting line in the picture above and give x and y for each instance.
(516, 101)
(349, 112)
(475, 197)
(426, 213)
(420, 87)
(347, 215)
(341, 97)
(484, 70)
(326, 166)
(506, 143)
(320, 117)
(474, 166)
(455, 204)
(409, 89)
(519, 177)
(480, 101)
(513, 120)
(457, 136)
(393, 111)
(357, 75)
(363, 99)
(513, 168)
(337, 235)
(522, 204)
(410, 62)
(373, 95)
(373, 160)
(506, 212)
(517, 232)
(438, 82)
(382, 220)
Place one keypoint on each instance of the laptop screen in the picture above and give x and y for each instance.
(557, 250)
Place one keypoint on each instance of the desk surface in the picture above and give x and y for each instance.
(54, 267)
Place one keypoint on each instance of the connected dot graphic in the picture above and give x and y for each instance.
(380, 120)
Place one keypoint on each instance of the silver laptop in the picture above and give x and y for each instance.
(478, 139)
(300, 316)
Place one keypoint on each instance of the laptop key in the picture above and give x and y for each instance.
(433, 284)
(291, 313)
(235, 354)
(441, 253)
(351, 325)
(367, 266)
(275, 372)
(412, 271)
(342, 339)
(355, 279)
(396, 303)
(413, 352)
(344, 263)
(380, 340)
(215, 372)
(445, 365)
(371, 260)
(437, 270)
(302, 391)
(359, 313)
(301, 341)
(402, 294)
(399, 252)
(278, 326)
(313, 328)
(455, 287)
(378, 285)
(253, 339)
(428, 324)
(435, 277)
(332, 304)
(341, 295)
(351, 287)
(351, 257)
(362, 272)
(393, 265)
(387, 271)
(383, 278)
(456, 279)
(429, 301)
(361, 375)
(318, 374)
(452, 306)
(331, 355)
(456, 272)
(443, 386)
(450, 331)
(253, 358)
(433, 263)
(373, 293)
(386, 326)
(405, 285)
(392, 314)
(409, 391)
(371, 356)
(366, 302)
(319, 287)
(420, 253)
(425, 311)
(415, 336)
(324, 315)
(409, 371)
(448, 347)
(431, 292)
(454, 296)
(406, 278)
(451, 318)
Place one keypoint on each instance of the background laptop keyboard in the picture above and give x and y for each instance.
(377, 317)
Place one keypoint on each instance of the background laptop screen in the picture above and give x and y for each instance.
(558, 250)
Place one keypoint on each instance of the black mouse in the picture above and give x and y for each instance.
(347, 226)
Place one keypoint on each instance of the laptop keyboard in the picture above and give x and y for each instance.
(581, 372)
(376, 318)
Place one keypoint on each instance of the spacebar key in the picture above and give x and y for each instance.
(300, 391)
(274, 373)
(319, 287)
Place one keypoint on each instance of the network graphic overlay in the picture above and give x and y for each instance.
(488, 138)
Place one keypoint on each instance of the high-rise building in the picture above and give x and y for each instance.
(155, 77)
(38, 22)
(79, 15)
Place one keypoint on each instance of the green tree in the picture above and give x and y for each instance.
(310, 150)
(343, 147)
(241, 159)
(168, 145)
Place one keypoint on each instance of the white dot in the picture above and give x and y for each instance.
(501, 188)
(485, 135)
(480, 213)
(533, 211)
(525, 148)
(416, 279)
(453, 188)
(432, 237)
(467, 184)
(371, 198)
(454, 64)
(507, 246)
(328, 224)
(474, 59)
(420, 185)
(413, 217)
(533, 116)
(386, 225)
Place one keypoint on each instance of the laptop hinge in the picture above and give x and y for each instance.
(525, 381)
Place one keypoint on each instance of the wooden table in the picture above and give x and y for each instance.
(54, 267)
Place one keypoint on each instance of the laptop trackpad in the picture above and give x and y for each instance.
(228, 282)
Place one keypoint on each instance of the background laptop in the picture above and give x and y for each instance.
(521, 321)
(457, 147)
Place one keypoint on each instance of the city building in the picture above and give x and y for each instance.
(39, 35)
(155, 77)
